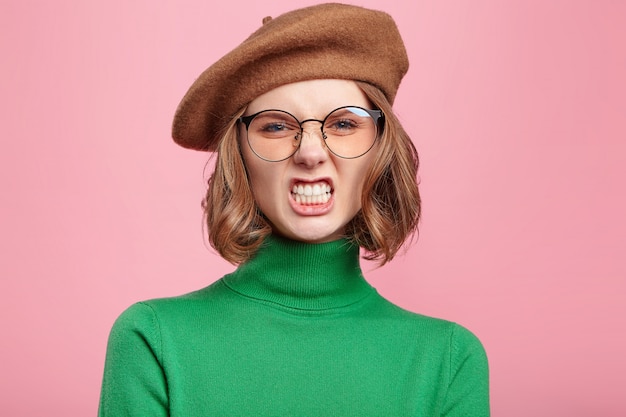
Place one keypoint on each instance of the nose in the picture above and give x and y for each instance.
(312, 150)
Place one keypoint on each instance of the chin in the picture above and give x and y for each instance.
(314, 234)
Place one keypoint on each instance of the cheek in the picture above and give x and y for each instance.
(355, 179)
(263, 180)
(360, 173)
(257, 181)
(261, 192)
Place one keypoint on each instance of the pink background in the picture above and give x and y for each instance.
(518, 111)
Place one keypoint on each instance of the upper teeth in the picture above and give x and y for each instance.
(317, 193)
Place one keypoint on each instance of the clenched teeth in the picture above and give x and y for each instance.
(318, 193)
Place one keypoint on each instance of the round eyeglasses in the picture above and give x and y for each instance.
(348, 132)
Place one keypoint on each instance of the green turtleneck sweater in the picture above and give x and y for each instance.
(296, 331)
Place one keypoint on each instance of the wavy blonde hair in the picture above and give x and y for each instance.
(390, 202)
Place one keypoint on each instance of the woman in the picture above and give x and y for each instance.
(311, 165)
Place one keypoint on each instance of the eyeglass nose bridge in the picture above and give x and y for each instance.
(299, 135)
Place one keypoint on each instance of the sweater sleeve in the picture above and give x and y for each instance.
(468, 388)
(134, 382)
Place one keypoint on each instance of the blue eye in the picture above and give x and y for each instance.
(344, 124)
(274, 127)
(341, 126)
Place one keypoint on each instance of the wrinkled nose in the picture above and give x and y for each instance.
(312, 150)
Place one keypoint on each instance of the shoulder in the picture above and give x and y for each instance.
(455, 337)
(465, 367)
(152, 313)
(402, 317)
(464, 340)
(458, 347)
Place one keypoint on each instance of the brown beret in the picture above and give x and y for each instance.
(328, 41)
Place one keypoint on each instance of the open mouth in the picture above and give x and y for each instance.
(311, 193)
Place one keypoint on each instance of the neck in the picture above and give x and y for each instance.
(302, 275)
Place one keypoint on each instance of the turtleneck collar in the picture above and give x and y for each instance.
(301, 275)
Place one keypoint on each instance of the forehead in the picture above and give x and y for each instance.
(314, 98)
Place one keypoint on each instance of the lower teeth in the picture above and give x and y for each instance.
(312, 199)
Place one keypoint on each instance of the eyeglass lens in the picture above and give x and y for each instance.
(349, 132)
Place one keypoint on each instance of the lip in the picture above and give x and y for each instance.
(311, 181)
(311, 210)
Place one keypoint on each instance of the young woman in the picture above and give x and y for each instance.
(312, 165)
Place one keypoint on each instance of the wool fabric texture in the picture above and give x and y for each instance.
(295, 331)
(327, 41)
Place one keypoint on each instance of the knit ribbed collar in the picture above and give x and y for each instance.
(302, 276)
